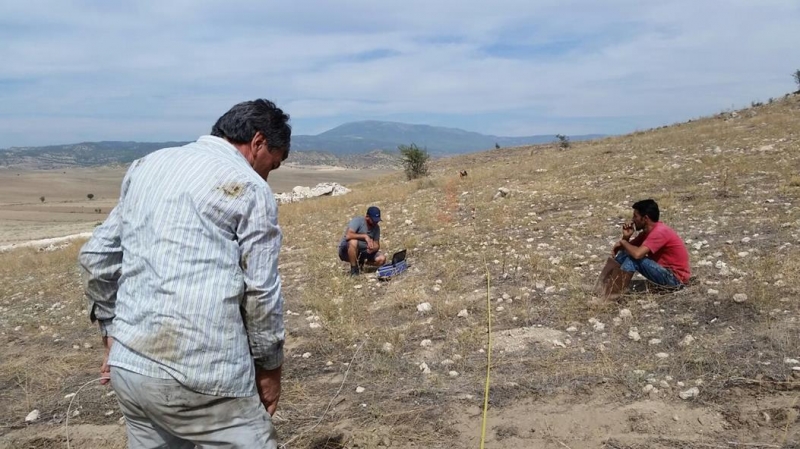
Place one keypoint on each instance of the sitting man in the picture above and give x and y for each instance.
(361, 241)
(658, 253)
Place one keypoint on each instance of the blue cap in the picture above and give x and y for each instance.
(374, 213)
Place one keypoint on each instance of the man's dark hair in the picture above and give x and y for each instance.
(647, 208)
(241, 123)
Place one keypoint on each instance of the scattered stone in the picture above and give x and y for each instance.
(690, 393)
(109, 413)
(306, 355)
(360, 389)
(69, 396)
(599, 327)
(664, 384)
(739, 297)
(75, 413)
(654, 341)
(314, 325)
(387, 347)
(424, 307)
(322, 189)
(424, 368)
(789, 361)
(625, 313)
(559, 344)
(648, 388)
(32, 416)
(634, 335)
(687, 340)
(358, 286)
(453, 374)
(662, 355)
(572, 329)
(121, 421)
(463, 313)
(550, 290)
(425, 343)
(328, 363)
(87, 345)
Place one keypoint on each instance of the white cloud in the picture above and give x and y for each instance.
(152, 71)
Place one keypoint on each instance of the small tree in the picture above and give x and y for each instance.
(563, 141)
(41, 198)
(90, 196)
(496, 146)
(415, 160)
(796, 76)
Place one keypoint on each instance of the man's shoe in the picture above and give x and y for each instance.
(354, 271)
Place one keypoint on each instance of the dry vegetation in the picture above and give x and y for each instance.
(564, 374)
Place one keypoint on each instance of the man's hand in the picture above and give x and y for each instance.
(617, 247)
(627, 231)
(105, 370)
(370, 244)
(268, 383)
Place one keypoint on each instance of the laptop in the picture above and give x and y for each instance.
(398, 257)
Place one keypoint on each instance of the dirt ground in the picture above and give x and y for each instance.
(403, 363)
(66, 210)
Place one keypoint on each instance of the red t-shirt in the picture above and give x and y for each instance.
(666, 249)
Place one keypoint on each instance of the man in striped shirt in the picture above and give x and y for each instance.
(183, 280)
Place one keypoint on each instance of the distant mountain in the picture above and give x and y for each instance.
(352, 144)
(359, 137)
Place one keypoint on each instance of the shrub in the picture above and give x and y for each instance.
(415, 160)
(563, 141)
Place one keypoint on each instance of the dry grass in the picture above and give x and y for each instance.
(718, 180)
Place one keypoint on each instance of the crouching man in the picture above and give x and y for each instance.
(657, 253)
(362, 241)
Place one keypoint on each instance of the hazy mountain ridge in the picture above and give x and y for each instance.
(356, 144)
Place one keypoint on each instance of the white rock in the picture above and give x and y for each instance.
(639, 372)
(109, 413)
(687, 340)
(648, 388)
(789, 361)
(500, 308)
(424, 307)
(690, 393)
(328, 363)
(664, 384)
(32, 416)
(463, 313)
(446, 362)
(506, 296)
(387, 347)
(743, 254)
(559, 344)
(739, 297)
(360, 389)
(662, 355)
(654, 341)
(358, 286)
(599, 327)
(409, 222)
(633, 335)
(314, 325)
(572, 329)
(424, 368)
(550, 290)
(69, 396)
(453, 374)
(746, 240)
(436, 288)
(425, 343)
(712, 292)
(306, 355)
(625, 313)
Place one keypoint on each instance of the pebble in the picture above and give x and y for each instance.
(712, 292)
(690, 393)
(625, 313)
(633, 335)
(549, 290)
(789, 361)
(314, 325)
(599, 327)
(358, 286)
(306, 355)
(463, 313)
(424, 307)
(360, 389)
(572, 329)
(654, 341)
(687, 340)
(453, 374)
(559, 343)
(425, 343)
(32, 416)
(69, 396)
(424, 368)
(662, 355)
(109, 413)
(739, 297)
(387, 347)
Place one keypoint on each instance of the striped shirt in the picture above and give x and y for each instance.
(184, 272)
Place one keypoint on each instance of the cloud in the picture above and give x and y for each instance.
(147, 71)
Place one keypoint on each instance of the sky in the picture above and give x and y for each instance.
(156, 71)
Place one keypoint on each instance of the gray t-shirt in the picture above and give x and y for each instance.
(359, 226)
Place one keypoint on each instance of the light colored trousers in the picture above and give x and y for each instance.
(162, 413)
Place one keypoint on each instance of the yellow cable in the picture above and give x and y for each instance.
(488, 354)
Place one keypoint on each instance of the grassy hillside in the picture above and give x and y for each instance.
(564, 374)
